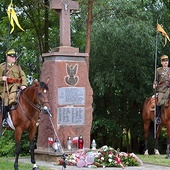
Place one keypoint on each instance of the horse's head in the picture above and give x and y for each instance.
(42, 96)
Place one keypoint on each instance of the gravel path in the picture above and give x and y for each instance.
(54, 166)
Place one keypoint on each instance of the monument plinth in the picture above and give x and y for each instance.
(65, 49)
(70, 91)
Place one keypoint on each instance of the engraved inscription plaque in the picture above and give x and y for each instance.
(71, 116)
(71, 96)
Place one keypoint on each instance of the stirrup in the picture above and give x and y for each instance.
(158, 121)
(5, 123)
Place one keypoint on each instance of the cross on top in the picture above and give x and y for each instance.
(63, 7)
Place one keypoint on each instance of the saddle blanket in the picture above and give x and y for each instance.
(10, 123)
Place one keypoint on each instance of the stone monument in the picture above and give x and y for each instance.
(70, 91)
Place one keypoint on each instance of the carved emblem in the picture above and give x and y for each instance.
(66, 6)
(71, 77)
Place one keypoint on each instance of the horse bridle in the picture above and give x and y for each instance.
(39, 108)
(42, 105)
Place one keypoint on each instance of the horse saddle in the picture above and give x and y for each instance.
(153, 102)
(14, 105)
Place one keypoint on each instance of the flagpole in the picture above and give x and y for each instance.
(156, 57)
(6, 62)
(8, 34)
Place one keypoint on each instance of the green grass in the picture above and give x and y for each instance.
(155, 159)
(8, 163)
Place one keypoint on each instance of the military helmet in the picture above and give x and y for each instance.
(11, 53)
(164, 58)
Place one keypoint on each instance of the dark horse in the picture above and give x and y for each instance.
(148, 119)
(32, 101)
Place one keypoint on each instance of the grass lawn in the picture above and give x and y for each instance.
(8, 164)
(155, 159)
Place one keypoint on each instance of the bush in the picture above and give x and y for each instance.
(7, 144)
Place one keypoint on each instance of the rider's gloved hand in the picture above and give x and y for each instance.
(23, 87)
(4, 78)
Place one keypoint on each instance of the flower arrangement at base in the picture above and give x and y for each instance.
(70, 160)
(103, 157)
(109, 157)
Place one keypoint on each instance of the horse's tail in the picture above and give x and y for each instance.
(151, 128)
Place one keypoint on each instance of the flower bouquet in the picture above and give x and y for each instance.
(103, 157)
(109, 157)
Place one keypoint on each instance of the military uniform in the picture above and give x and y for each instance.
(12, 78)
(163, 85)
(15, 78)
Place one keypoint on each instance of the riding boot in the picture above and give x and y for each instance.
(158, 112)
(5, 116)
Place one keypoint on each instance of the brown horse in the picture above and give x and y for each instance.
(148, 119)
(32, 101)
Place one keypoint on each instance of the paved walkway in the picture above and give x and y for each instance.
(54, 166)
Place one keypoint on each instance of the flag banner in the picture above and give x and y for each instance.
(161, 30)
(13, 17)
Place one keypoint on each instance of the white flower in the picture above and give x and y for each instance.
(110, 155)
(105, 148)
(102, 158)
(110, 160)
(123, 154)
(99, 153)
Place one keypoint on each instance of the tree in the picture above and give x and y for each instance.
(36, 38)
(122, 70)
(88, 30)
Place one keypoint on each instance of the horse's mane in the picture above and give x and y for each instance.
(43, 85)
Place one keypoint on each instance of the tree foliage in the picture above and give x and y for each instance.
(122, 68)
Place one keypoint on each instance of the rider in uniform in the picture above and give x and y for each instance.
(162, 85)
(12, 78)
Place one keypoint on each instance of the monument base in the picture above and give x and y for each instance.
(52, 156)
(47, 156)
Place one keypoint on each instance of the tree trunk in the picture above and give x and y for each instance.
(88, 31)
(127, 141)
(134, 144)
(46, 25)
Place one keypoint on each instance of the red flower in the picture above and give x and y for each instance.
(110, 152)
(60, 162)
(118, 160)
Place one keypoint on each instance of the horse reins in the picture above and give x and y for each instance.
(32, 104)
(39, 109)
